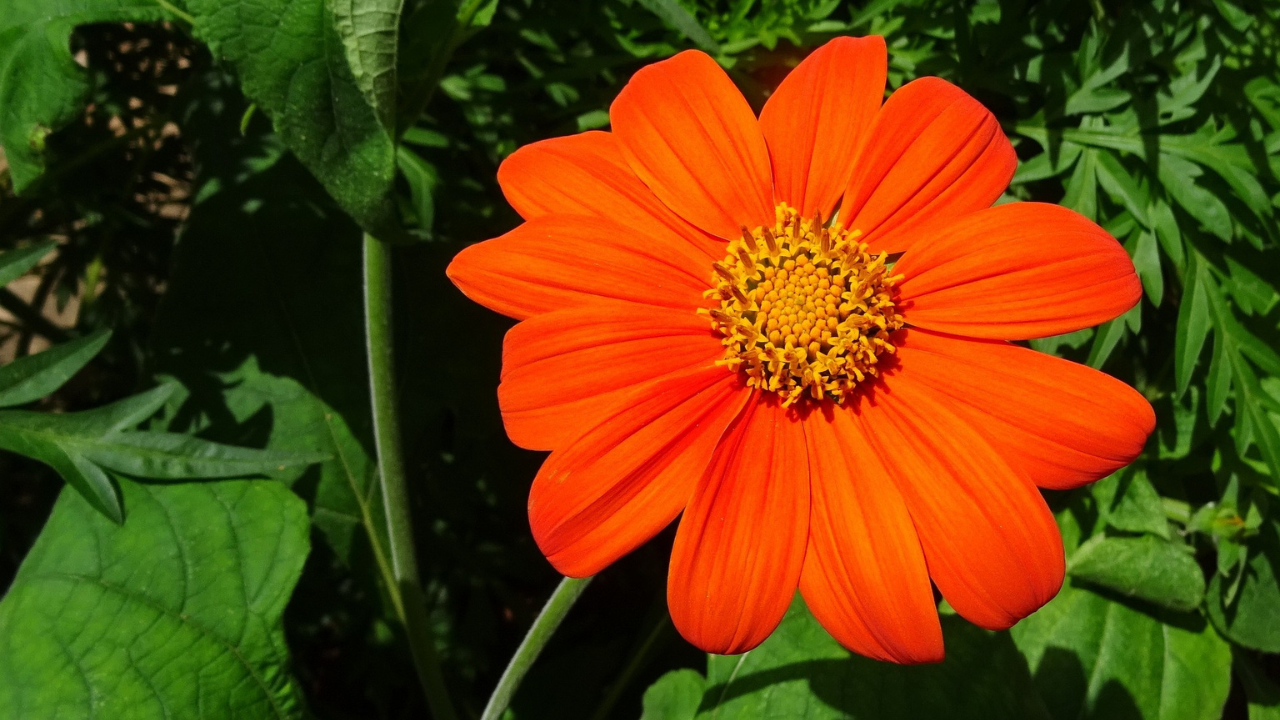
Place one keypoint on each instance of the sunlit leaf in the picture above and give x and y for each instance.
(177, 613)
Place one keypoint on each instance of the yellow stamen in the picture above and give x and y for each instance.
(805, 310)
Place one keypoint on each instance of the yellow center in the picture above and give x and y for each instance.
(803, 308)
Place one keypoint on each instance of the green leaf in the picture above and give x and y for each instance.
(31, 437)
(675, 696)
(1128, 502)
(321, 74)
(801, 673)
(1143, 249)
(1082, 188)
(681, 20)
(1218, 381)
(1178, 176)
(41, 86)
(1095, 658)
(1121, 186)
(170, 456)
(175, 614)
(422, 179)
(15, 263)
(1193, 323)
(1252, 618)
(1148, 568)
(30, 378)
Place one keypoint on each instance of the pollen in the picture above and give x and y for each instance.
(803, 308)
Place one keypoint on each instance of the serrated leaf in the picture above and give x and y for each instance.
(1121, 186)
(680, 20)
(1252, 617)
(30, 378)
(177, 613)
(800, 673)
(297, 65)
(41, 86)
(15, 263)
(675, 696)
(1096, 658)
(1147, 568)
(1193, 323)
(1178, 176)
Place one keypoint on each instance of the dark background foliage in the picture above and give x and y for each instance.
(205, 229)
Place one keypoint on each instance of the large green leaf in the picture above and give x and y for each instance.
(1252, 618)
(41, 86)
(1095, 658)
(800, 672)
(175, 614)
(325, 74)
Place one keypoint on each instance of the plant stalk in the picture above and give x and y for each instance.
(386, 434)
(544, 626)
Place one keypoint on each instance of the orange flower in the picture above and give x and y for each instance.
(700, 336)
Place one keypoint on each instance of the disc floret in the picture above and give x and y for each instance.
(804, 308)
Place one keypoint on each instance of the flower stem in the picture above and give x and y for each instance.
(540, 632)
(386, 434)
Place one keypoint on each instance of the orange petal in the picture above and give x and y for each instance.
(690, 135)
(628, 477)
(1017, 271)
(562, 261)
(864, 575)
(740, 547)
(820, 117)
(563, 371)
(1061, 423)
(586, 174)
(989, 539)
(936, 155)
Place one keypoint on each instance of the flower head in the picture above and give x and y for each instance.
(792, 332)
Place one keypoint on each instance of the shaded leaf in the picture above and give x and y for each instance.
(41, 86)
(30, 378)
(15, 263)
(295, 62)
(1193, 323)
(1252, 617)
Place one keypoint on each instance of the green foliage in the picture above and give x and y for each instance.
(99, 624)
(1098, 658)
(1160, 119)
(41, 87)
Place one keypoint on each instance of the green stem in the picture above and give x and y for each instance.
(386, 434)
(544, 626)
